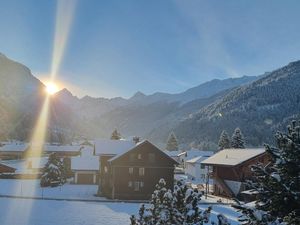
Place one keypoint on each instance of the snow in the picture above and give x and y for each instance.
(14, 147)
(195, 153)
(61, 148)
(197, 159)
(47, 212)
(31, 188)
(233, 157)
(85, 163)
(112, 147)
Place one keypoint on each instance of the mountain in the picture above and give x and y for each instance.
(142, 114)
(149, 116)
(22, 97)
(259, 109)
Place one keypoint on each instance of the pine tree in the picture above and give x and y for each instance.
(237, 140)
(277, 183)
(172, 143)
(115, 135)
(224, 141)
(180, 207)
(53, 172)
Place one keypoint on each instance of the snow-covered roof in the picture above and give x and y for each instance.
(196, 152)
(14, 147)
(61, 148)
(85, 163)
(197, 159)
(174, 153)
(138, 144)
(112, 147)
(233, 157)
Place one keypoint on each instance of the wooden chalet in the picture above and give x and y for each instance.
(231, 168)
(131, 171)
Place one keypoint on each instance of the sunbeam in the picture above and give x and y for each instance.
(64, 16)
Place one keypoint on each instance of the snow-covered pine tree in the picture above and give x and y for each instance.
(53, 172)
(115, 135)
(180, 207)
(277, 184)
(237, 139)
(172, 142)
(224, 141)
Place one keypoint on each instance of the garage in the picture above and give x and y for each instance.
(86, 178)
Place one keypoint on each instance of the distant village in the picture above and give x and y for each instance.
(129, 169)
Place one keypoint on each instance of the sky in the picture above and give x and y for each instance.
(116, 48)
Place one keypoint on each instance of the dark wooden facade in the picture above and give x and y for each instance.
(134, 174)
(239, 173)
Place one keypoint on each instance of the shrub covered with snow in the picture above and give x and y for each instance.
(53, 172)
(178, 207)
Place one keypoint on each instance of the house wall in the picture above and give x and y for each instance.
(235, 176)
(120, 183)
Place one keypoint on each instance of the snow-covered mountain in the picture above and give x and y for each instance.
(150, 116)
(259, 109)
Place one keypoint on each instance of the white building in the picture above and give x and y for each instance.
(193, 168)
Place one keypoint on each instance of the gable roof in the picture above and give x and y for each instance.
(192, 153)
(85, 163)
(140, 144)
(197, 159)
(233, 157)
(112, 147)
(14, 147)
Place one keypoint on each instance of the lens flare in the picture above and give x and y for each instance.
(64, 16)
(51, 88)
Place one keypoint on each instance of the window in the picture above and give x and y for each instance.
(139, 156)
(136, 186)
(130, 170)
(142, 171)
(142, 184)
(151, 157)
(202, 166)
(130, 184)
(105, 169)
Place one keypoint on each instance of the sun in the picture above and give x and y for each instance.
(51, 88)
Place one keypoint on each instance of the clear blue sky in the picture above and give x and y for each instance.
(116, 48)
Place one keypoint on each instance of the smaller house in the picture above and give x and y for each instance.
(195, 170)
(85, 169)
(14, 150)
(232, 167)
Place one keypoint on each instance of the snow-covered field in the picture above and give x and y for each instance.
(14, 211)
(31, 188)
(49, 212)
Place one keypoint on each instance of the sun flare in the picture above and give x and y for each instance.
(51, 88)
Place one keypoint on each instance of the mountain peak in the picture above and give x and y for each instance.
(138, 95)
